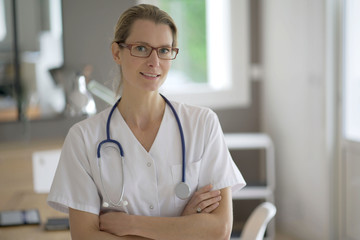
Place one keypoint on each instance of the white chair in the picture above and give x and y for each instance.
(257, 222)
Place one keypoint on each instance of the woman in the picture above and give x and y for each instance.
(137, 198)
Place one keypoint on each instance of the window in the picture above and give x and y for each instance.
(212, 66)
(352, 71)
(190, 18)
(2, 21)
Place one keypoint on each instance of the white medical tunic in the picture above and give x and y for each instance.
(150, 177)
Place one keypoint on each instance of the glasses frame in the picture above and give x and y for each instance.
(130, 45)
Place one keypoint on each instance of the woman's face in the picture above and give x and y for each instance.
(145, 74)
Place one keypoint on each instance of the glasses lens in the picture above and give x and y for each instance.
(166, 53)
(140, 50)
(143, 50)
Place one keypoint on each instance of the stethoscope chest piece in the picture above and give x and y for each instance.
(182, 190)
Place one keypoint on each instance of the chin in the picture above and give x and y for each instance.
(154, 87)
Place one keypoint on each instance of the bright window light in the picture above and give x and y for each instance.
(55, 17)
(352, 70)
(212, 66)
(2, 21)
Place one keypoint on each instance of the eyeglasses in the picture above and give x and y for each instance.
(143, 51)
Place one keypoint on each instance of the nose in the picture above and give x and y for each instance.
(153, 59)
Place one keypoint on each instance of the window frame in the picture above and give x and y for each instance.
(228, 87)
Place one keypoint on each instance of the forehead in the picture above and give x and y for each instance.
(147, 31)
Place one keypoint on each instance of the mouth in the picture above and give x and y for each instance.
(150, 75)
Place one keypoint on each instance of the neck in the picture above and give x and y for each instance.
(141, 111)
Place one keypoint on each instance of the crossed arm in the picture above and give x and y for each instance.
(215, 221)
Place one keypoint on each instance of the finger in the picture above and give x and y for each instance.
(200, 199)
(209, 202)
(208, 195)
(201, 195)
(205, 189)
(211, 208)
(197, 196)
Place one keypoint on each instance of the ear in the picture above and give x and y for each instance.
(115, 49)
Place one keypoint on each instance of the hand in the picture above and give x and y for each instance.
(117, 223)
(204, 199)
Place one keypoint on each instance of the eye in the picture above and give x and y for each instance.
(164, 50)
(141, 48)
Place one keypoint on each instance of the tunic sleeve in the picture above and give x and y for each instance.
(218, 167)
(73, 185)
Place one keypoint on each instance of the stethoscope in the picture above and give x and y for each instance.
(182, 189)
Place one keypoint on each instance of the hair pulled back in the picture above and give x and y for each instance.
(144, 12)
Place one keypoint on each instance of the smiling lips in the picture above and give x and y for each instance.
(151, 75)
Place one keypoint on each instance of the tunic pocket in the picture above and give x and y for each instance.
(191, 178)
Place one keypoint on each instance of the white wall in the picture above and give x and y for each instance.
(295, 115)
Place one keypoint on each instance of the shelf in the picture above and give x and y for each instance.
(256, 141)
(253, 193)
(247, 141)
(251, 141)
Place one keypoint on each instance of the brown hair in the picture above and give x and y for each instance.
(142, 11)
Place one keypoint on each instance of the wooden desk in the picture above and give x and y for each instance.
(16, 190)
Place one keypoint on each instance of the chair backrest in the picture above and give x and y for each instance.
(255, 226)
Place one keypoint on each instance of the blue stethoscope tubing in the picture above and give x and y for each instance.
(108, 139)
(182, 189)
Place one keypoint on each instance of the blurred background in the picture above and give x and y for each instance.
(283, 68)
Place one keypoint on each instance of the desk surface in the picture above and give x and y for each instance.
(16, 190)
